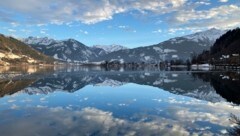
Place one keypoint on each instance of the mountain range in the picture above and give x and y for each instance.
(173, 49)
(71, 50)
(33, 50)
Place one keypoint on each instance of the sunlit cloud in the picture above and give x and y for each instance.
(222, 17)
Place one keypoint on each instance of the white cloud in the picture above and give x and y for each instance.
(88, 121)
(14, 24)
(182, 30)
(184, 13)
(223, 0)
(203, 3)
(127, 28)
(157, 31)
(122, 26)
(159, 22)
(26, 31)
(14, 106)
(11, 30)
(11, 100)
(84, 32)
(44, 31)
(39, 25)
(179, 117)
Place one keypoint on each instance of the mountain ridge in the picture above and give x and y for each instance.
(179, 48)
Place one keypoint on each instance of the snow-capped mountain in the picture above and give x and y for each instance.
(110, 48)
(211, 35)
(176, 48)
(69, 50)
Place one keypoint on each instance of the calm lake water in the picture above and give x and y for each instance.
(95, 101)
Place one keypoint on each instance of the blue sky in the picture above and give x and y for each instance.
(131, 23)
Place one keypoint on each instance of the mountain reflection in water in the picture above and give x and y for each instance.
(96, 101)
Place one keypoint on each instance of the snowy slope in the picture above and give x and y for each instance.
(211, 35)
(69, 50)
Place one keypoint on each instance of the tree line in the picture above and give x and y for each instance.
(226, 50)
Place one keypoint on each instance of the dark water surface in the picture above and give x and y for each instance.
(96, 101)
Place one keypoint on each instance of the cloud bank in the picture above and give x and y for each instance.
(184, 14)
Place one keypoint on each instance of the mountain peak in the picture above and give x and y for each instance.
(71, 40)
(38, 40)
(110, 48)
(213, 29)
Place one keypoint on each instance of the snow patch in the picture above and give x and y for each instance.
(147, 58)
(175, 56)
(169, 50)
(2, 55)
(13, 56)
(157, 49)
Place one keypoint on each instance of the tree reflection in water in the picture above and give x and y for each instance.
(235, 130)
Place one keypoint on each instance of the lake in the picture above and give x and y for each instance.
(98, 101)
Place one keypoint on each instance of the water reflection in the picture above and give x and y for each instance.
(209, 86)
(234, 131)
(226, 84)
(93, 101)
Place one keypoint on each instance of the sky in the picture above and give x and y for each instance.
(130, 23)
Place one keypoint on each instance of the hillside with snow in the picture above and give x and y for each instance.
(210, 35)
(15, 52)
(69, 50)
